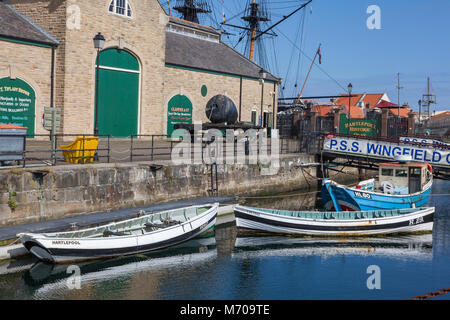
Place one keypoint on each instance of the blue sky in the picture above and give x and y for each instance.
(413, 41)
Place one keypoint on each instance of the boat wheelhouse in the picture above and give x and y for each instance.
(399, 185)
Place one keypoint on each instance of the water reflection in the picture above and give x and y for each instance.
(131, 277)
(229, 266)
(406, 247)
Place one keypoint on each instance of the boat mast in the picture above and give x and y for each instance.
(309, 72)
(429, 98)
(399, 88)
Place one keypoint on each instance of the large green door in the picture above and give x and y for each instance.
(118, 93)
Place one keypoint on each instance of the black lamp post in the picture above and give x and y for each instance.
(262, 77)
(99, 42)
(350, 87)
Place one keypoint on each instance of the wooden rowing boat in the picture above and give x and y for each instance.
(335, 224)
(151, 231)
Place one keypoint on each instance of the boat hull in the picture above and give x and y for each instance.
(254, 220)
(54, 250)
(351, 199)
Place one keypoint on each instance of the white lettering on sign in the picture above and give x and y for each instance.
(387, 150)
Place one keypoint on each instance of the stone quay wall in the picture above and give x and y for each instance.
(31, 195)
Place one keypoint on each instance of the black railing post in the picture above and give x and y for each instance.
(153, 140)
(131, 148)
(84, 139)
(24, 150)
(109, 148)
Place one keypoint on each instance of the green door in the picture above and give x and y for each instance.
(118, 102)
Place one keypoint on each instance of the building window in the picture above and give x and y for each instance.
(254, 116)
(121, 7)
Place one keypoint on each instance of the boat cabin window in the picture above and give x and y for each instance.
(387, 172)
(401, 173)
(415, 172)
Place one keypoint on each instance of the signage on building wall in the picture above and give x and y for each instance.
(17, 103)
(359, 127)
(387, 150)
(179, 111)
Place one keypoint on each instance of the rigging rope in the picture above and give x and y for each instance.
(320, 68)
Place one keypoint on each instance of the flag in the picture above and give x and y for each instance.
(168, 3)
(319, 52)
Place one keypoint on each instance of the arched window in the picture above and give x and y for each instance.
(121, 7)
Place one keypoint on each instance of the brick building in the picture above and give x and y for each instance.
(155, 70)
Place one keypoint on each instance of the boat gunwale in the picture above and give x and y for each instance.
(427, 187)
(47, 236)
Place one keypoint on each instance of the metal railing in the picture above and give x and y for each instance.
(38, 150)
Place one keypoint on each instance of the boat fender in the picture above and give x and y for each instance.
(430, 167)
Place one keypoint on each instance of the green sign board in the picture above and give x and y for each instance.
(50, 115)
(359, 127)
(179, 111)
(17, 103)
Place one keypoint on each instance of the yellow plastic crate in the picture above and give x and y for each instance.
(73, 153)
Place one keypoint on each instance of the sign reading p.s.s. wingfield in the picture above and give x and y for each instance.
(387, 150)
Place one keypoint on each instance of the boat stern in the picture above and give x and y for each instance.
(30, 242)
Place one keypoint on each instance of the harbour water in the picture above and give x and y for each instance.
(230, 267)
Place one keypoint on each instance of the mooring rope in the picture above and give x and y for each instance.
(431, 295)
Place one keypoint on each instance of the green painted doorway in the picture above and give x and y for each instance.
(118, 102)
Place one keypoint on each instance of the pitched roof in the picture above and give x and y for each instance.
(441, 115)
(403, 111)
(343, 100)
(193, 52)
(323, 110)
(385, 104)
(17, 26)
(372, 99)
(356, 112)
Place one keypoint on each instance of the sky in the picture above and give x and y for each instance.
(413, 41)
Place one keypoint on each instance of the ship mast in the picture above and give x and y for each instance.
(255, 15)
(190, 9)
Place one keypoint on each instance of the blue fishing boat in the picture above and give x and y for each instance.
(400, 185)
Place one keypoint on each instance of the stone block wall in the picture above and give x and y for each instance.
(189, 83)
(57, 192)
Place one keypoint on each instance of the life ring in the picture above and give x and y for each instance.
(430, 168)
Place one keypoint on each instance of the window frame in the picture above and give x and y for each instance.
(128, 9)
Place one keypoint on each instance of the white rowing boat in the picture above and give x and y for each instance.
(358, 223)
(148, 232)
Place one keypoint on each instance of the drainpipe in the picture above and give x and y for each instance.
(52, 105)
(240, 99)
